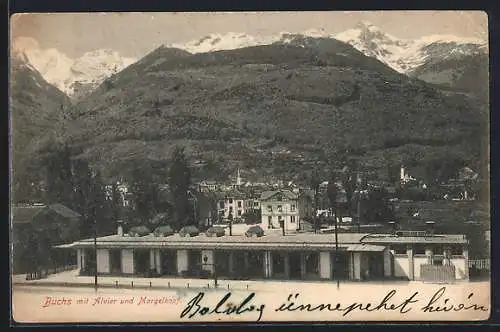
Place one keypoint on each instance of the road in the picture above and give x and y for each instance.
(85, 305)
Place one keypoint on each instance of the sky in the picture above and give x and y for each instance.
(136, 34)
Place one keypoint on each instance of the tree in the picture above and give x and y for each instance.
(89, 199)
(376, 207)
(179, 180)
(144, 193)
(349, 178)
(116, 204)
(95, 208)
(82, 184)
(332, 192)
(252, 216)
(58, 176)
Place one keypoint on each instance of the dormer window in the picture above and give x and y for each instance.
(279, 197)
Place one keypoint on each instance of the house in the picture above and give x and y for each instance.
(35, 228)
(207, 186)
(357, 256)
(404, 177)
(231, 203)
(280, 208)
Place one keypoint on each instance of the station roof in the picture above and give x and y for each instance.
(291, 241)
(346, 242)
(435, 238)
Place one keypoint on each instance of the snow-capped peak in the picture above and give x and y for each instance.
(404, 55)
(234, 40)
(450, 39)
(64, 72)
(365, 31)
(316, 33)
(227, 41)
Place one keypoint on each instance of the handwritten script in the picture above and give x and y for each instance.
(438, 302)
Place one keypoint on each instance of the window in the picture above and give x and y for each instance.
(279, 198)
(419, 249)
(255, 203)
(270, 222)
(437, 261)
(292, 208)
(239, 204)
(456, 250)
(221, 205)
(280, 208)
(239, 213)
(269, 208)
(292, 219)
(230, 201)
(399, 249)
(438, 250)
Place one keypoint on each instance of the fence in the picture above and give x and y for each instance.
(45, 272)
(437, 273)
(480, 264)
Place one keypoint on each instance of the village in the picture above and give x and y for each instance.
(280, 231)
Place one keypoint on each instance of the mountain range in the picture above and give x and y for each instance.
(441, 59)
(36, 106)
(279, 108)
(75, 77)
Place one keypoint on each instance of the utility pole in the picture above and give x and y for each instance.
(214, 265)
(359, 211)
(332, 191)
(284, 220)
(336, 249)
(95, 253)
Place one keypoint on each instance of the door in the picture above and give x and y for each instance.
(375, 266)
(142, 261)
(222, 263)
(295, 265)
(168, 262)
(115, 261)
(256, 264)
(340, 265)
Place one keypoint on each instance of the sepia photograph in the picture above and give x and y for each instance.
(250, 167)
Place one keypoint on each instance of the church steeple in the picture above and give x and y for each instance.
(238, 178)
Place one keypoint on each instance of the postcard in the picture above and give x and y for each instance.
(250, 167)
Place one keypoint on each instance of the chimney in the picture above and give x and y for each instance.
(120, 227)
(429, 227)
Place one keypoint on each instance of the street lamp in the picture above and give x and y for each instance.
(205, 260)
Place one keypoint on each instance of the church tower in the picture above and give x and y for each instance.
(238, 178)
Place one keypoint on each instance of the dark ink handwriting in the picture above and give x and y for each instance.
(385, 304)
(194, 307)
(441, 303)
